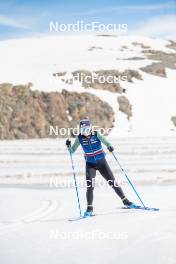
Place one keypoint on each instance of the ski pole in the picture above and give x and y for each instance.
(74, 176)
(134, 189)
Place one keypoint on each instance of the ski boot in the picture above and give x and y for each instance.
(89, 211)
(88, 214)
(127, 203)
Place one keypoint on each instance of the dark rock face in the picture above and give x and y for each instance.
(59, 74)
(141, 45)
(125, 106)
(155, 69)
(173, 118)
(167, 59)
(172, 45)
(132, 74)
(80, 105)
(135, 58)
(29, 114)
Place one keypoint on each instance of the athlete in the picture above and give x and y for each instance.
(91, 142)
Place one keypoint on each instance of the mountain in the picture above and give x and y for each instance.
(50, 69)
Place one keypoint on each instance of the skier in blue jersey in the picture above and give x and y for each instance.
(91, 142)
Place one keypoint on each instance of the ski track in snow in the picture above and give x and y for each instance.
(145, 230)
(46, 209)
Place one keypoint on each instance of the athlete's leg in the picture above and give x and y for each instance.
(90, 177)
(106, 172)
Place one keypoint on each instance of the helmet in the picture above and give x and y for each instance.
(85, 127)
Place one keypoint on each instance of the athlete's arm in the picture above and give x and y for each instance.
(75, 145)
(104, 140)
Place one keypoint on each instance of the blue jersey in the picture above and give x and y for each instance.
(92, 147)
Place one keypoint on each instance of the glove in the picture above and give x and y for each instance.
(110, 148)
(68, 143)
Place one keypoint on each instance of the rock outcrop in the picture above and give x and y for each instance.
(25, 113)
(103, 79)
(125, 106)
(132, 74)
(141, 45)
(173, 118)
(171, 45)
(156, 69)
(167, 59)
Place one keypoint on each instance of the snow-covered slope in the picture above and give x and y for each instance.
(148, 160)
(34, 223)
(153, 98)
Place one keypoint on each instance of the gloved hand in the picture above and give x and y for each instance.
(110, 148)
(68, 143)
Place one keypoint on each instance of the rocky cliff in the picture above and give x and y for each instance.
(25, 113)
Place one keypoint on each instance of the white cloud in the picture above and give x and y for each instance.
(6, 21)
(160, 26)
